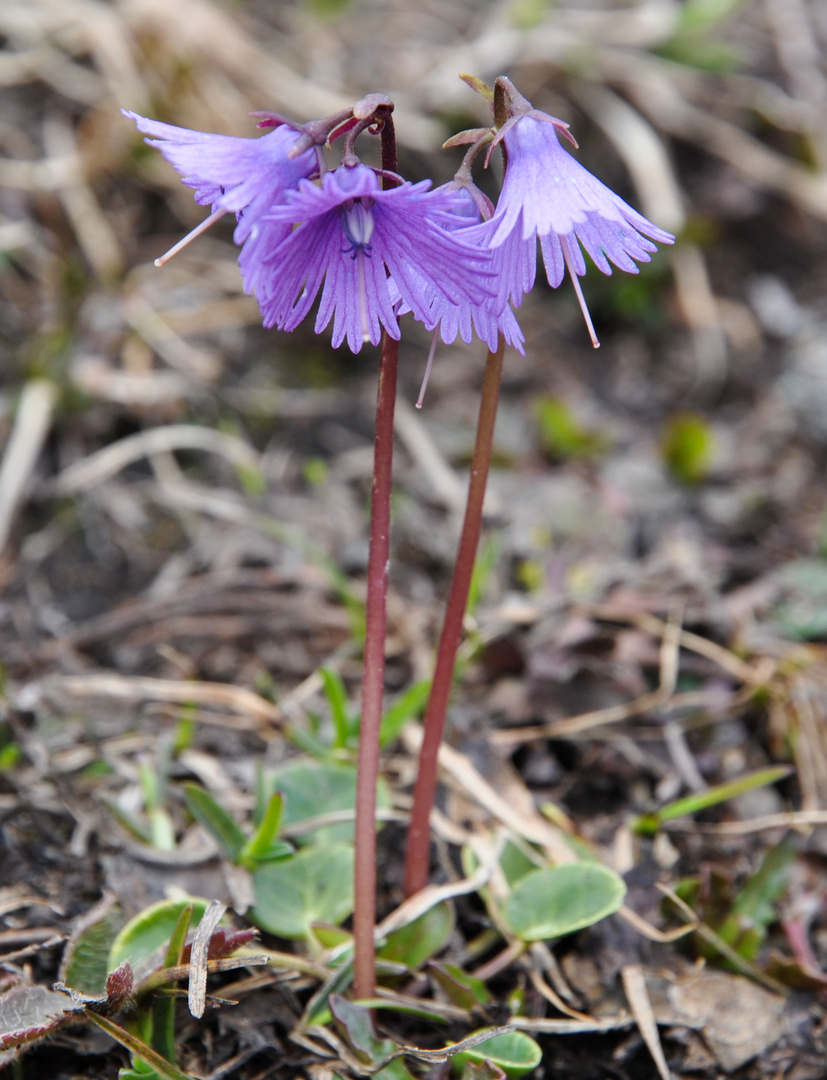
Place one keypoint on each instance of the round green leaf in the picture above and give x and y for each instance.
(316, 885)
(560, 899)
(417, 942)
(514, 1052)
(314, 788)
(151, 929)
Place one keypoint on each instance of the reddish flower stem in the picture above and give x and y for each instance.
(364, 912)
(419, 835)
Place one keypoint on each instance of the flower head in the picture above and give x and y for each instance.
(548, 194)
(346, 236)
(247, 177)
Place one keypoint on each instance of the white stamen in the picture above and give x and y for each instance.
(575, 280)
(182, 243)
(427, 374)
(363, 302)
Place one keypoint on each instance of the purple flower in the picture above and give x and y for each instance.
(349, 236)
(247, 177)
(491, 317)
(548, 194)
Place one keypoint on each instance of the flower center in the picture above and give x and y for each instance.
(357, 221)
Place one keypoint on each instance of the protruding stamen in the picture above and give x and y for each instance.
(427, 374)
(363, 300)
(579, 292)
(182, 243)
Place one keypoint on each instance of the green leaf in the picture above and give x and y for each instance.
(133, 825)
(263, 794)
(311, 788)
(481, 1070)
(754, 910)
(558, 900)
(356, 1023)
(307, 741)
(262, 845)
(147, 1056)
(756, 900)
(459, 987)
(699, 15)
(562, 436)
(10, 755)
(152, 783)
(515, 863)
(215, 819)
(419, 940)
(161, 829)
(163, 1008)
(185, 728)
(514, 1052)
(150, 930)
(86, 958)
(328, 936)
(405, 708)
(648, 824)
(316, 1011)
(178, 938)
(688, 446)
(345, 725)
(314, 886)
(528, 14)
(484, 566)
(329, 8)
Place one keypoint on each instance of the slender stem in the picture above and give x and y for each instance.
(419, 835)
(364, 913)
(389, 159)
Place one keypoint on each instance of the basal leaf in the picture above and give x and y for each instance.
(150, 930)
(313, 788)
(316, 885)
(29, 1013)
(561, 899)
(514, 1052)
(85, 962)
(215, 819)
(417, 942)
(459, 987)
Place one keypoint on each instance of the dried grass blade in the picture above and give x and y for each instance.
(197, 990)
(634, 986)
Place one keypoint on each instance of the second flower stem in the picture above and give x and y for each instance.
(373, 680)
(417, 856)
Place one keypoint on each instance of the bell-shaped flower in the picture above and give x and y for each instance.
(348, 238)
(548, 194)
(466, 318)
(247, 177)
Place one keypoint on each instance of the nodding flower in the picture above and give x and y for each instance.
(364, 249)
(245, 177)
(548, 194)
